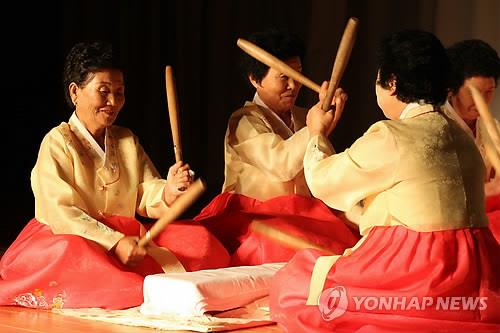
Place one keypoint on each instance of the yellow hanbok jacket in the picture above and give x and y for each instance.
(263, 156)
(422, 172)
(75, 182)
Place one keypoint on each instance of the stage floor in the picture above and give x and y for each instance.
(18, 319)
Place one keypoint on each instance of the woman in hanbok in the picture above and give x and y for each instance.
(264, 180)
(89, 181)
(427, 261)
(475, 62)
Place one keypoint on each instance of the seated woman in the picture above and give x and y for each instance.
(90, 179)
(475, 62)
(264, 149)
(425, 242)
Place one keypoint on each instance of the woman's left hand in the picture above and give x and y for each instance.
(178, 180)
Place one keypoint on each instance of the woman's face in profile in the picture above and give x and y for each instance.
(101, 99)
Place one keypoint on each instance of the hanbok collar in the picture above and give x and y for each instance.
(451, 113)
(257, 100)
(82, 130)
(415, 109)
(105, 161)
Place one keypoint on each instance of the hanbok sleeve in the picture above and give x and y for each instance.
(150, 198)
(346, 179)
(256, 144)
(57, 201)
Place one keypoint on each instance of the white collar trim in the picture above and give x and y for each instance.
(73, 120)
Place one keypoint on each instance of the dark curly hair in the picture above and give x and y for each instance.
(417, 61)
(280, 43)
(472, 57)
(86, 58)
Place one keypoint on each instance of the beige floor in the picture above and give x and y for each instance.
(17, 319)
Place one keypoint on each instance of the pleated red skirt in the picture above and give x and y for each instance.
(398, 280)
(229, 217)
(44, 270)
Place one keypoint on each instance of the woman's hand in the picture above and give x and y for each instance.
(128, 251)
(323, 122)
(178, 180)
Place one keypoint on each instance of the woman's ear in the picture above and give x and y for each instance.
(450, 94)
(254, 82)
(73, 92)
(392, 86)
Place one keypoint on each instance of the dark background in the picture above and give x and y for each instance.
(198, 38)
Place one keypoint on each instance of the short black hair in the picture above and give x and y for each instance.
(86, 58)
(416, 60)
(279, 42)
(471, 57)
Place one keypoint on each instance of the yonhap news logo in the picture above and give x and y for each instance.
(333, 303)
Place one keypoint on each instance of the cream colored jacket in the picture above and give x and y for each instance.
(263, 156)
(423, 172)
(75, 183)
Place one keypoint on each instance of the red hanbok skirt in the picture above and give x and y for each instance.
(229, 217)
(398, 280)
(44, 270)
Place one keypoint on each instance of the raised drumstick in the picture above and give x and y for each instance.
(492, 153)
(341, 60)
(285, 238)
(485, 114)
(176, 209)
(270, 60)
(493, 137)
(173, 112)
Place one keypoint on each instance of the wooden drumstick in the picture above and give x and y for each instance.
(341, 60)
(285, 238)
(176, 209)
(271, 61)
(485, 114)
(491, 151)
(493, 137)
(173, 112)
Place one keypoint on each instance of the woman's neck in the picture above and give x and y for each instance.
(100, 139)
(472, 125)
(286, 117)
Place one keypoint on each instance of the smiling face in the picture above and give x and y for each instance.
(277, 90)
(99, 100)
(462, 101)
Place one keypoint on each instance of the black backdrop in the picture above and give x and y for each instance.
(198, 38)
